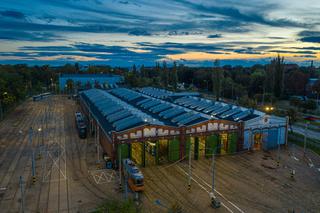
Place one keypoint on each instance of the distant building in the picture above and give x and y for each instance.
(76, 82)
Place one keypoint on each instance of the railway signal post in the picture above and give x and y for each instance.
(22, 193)
(189, 180)
(32, 156)
(120, 181)
(215, 203)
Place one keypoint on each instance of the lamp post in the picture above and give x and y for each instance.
(1, 111)
(120, 181)
(21, 182)
(40, 143)
(32, 156)
(215, 203)
(189, 180)
(305, 139)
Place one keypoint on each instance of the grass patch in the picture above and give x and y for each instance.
(298, 139)
(310, 127)
(118, 206)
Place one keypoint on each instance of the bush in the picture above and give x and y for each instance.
(247, 102)
(295, 101)
(117, 206)
(310, 105)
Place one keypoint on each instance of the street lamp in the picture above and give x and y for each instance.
(269, 108)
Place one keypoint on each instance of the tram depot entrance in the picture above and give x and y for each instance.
(150, 153)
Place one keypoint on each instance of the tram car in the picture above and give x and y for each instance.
(135, 176)
(81, 125)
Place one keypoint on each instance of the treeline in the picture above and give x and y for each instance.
(248, 85)
(259, 83)
(17, 82)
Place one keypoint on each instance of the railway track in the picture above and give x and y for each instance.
(203, 184)
(74, 156)
(18, 166)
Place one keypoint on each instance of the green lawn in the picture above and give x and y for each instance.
(118, 206)
(298, 139)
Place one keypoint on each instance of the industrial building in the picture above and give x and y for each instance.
(86, 81)
(154, 126)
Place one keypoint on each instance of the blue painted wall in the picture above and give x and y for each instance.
(246, 138)
(270, 139)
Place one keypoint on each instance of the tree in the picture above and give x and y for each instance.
(278, 66)
(174, 75)
(70, 85)
(217, 77)
(292, 114)
(77, 68)
(143, 72)
(316, 89)
(257, 79)
(310, 104)
(298, 81)
(134, 70)
(165, 76)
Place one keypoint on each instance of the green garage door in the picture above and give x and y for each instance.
(124, 149)
(232, 142)
(211, 145)
(173, 154)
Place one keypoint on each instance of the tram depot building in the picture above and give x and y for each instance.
(155, 126)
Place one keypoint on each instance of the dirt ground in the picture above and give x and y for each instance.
(67, 179)
(247, 182)
(66, 176)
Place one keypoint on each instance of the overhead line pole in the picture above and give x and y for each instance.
(22, 193)
(190, 172)
(32, 156)
(305, 139)
(120, 181)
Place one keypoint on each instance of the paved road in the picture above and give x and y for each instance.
(310, 133)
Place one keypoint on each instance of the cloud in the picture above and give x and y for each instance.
(248, 50)
(214, 36)
(88, 28)
(291, 51)
(305, 56)
(47, 48)
(11, 35)
(12, 14)
(139, 33)
(123, 2)
(308, 33)
(312, 39)
(309, 36)
(243, 17)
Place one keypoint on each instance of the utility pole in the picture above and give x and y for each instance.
(1, 111)
(120, 181)
(98, 145)
(189, 180)
(32, 156)
(126, 187)
(22, 193)
(213, 172)
(278, 153)
(215, 203)
(305, 139)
